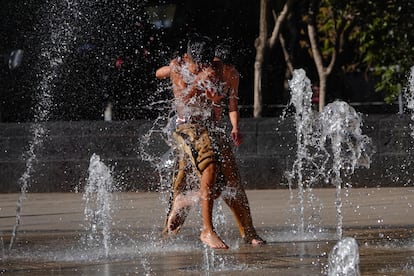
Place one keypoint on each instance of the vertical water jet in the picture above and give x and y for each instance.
(98, 203)
(58, 21)
(343, 142)
(306, 139)
(409, 97)
(344, 258)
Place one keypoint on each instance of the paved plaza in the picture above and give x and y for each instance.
(380, 219)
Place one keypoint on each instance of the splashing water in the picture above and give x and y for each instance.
(163, 163)
(1, 248)
(409, 97)
(344, 258)
(53, 52)
(208, 259)
(38, 134)
(343, 141)
(306, 140)
(214, 264)
(97, 198)
(328, 145)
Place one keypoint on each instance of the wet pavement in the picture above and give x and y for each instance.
(52, 239)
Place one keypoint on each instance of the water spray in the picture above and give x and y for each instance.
(344, 258)
(306, 139)
(343, 142)
(329, 145)
(98, 202)
(53, 52)
(409, 97)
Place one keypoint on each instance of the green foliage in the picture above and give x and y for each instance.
(371, 36)
(335, 23)
(384, 43)
(389, 81)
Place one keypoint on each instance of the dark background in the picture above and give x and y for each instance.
(144, 35)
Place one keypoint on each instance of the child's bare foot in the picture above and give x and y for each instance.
(211, 239)
(175, 221)
(254, 240)
(257, 241)
(179, 212)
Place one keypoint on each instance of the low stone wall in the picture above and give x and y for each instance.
(268, 151)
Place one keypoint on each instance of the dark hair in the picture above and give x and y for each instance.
(200, 49)
(223, 52)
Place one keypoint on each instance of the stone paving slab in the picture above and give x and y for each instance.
(51, 237)
(362, 207)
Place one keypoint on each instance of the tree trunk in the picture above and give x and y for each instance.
(323, 72)
(322, 91)
(288, 60)
(258, 64)
(257, 107)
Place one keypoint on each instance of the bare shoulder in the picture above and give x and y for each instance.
(174, 63)
(175, 66)
(231, 72)
(234, 71)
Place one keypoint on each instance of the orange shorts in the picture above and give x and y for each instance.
(195, 141)
(201, 147)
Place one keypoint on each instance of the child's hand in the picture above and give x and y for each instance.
(237, 137)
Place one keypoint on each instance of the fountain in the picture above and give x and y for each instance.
(409, 96)
(54, 235)
(38, 134)
(349, 148)
(62, 236)
(59, 233)
(99, 203)
(306, 139)
(344, 258)
(329, 144)
(53, 53)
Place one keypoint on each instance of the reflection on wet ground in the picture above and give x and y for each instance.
(383, 251)
(52, 239)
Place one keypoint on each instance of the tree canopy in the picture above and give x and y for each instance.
(353, 36)
(385, 42)
(373, 37)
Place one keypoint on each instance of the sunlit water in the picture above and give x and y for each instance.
(142, 251)
(166, 163)
(306, 141)
(409, 97)
(330, 145)
(344, 258)
(346, 148)
(59, 20)
(99, 204)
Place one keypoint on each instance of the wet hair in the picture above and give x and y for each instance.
(223, 52)
(200, 49)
